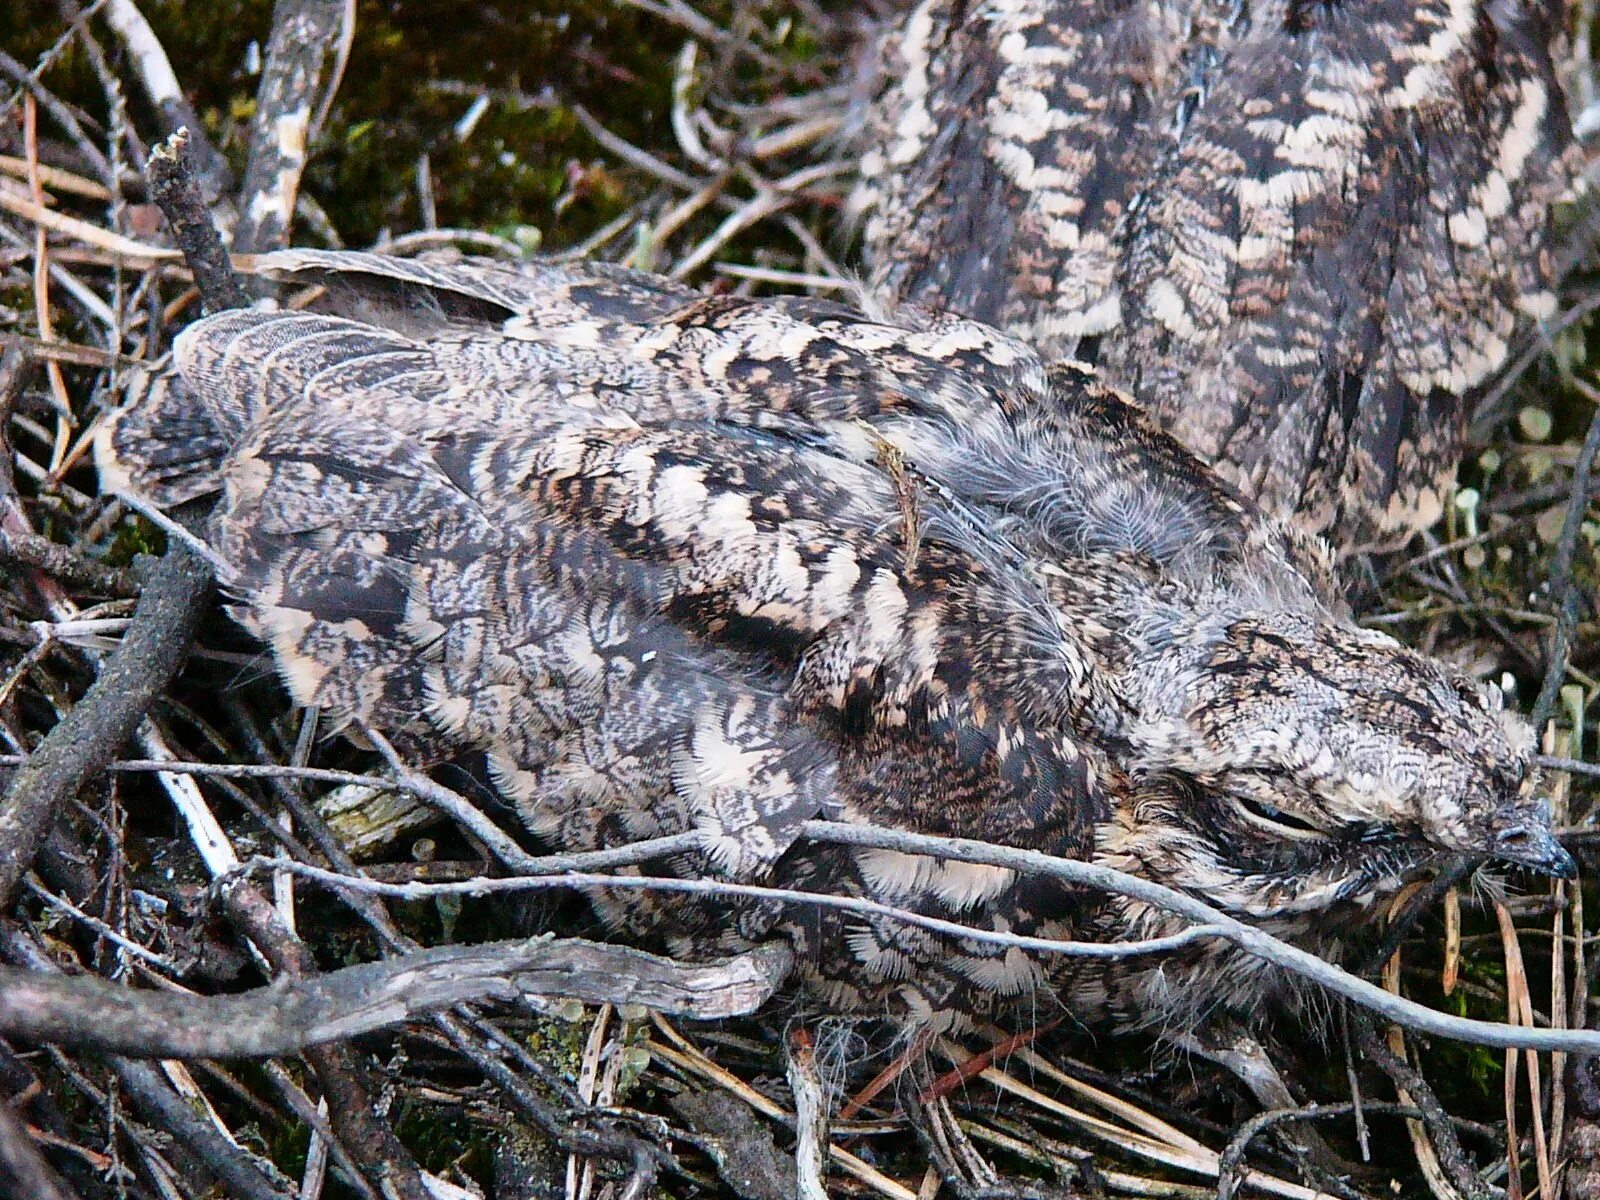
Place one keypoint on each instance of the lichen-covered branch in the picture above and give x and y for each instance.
(286, 1018)
(304, 33)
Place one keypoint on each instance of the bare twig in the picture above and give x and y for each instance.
(368, 1138)
(284, 1019)
(1210, 922)
(160, 1104)
(23, 1170)
(1247, 937)
(1561, 573)
(41, 276)
(643, 1158)
(58, 112)
(769, 199)
(66, 564)
(1447, 1155)
(87, 739)
(161, 85)
(127, 251)
(172, 185)
(1571, 766)
(1229, 1173)
(451, 803)
(810, 1116)
(715, 887)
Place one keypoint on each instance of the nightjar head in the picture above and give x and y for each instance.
(1307, 761)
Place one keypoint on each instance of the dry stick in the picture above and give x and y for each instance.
(164, 1108)
(117, 249)
(58, 112)
(747, 891)
(81, 745)
(67, 564)
(23, 1170)
(1563, 577)
(158, 1158)
(13, 519)
(161, 85)
(369, 1139)
(593, 1142)
(1209, 922)
(472, 1036)
(41, 269)
(161, 1106)
(48, 59)
(343, 45)
(422, 788)
(1407, 1079)
(315, 1119)
(1255, 941)
(1446, 1147)
(1571, 766)
(474, 1042)
(304, 33)
(643, 1158)
(1229, 1167)
(1450, 873)
(451, 803)
(1561, 574)
(1247, 937)
(95, 1014)
(173, 189)
(810, 1116)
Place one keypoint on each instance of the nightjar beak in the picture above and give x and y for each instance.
(1523, 839)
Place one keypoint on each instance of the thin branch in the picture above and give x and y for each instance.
(1255, 941)
(1210, 922)
(1571, 766)
(285, 1018)
(1218, 924)
(161, 84)
(58, 112)
(129, 252)
(1562, 581)
(451, 803)
(643, 1158)
(66, 564)
(81, 745)
(23, 1170)
(172, 184)
(747, 891)
(1230, 1171)
(158, 1103)
(1410, 1085)
(161, 1105)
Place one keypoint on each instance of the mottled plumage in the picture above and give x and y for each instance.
(1300, 234)
(648, 553)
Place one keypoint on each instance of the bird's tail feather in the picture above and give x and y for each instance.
(161, 445)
